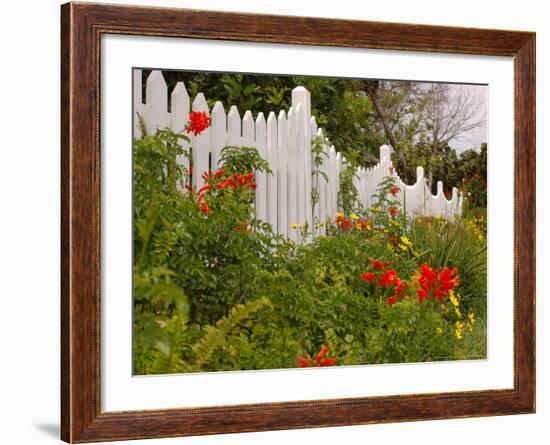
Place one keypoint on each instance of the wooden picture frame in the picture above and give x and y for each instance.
(82, 26)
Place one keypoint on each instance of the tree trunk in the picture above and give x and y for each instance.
(387, 129)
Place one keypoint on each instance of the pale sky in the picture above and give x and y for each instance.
(474, 138)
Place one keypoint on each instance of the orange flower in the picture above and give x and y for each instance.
(320, 360)
(198, 122)
(395, 190)
(368, 276)
(434, 283)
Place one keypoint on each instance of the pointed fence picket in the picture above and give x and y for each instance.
(284, 197)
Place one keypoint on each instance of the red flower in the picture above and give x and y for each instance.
(435, 283)
(395, 190)
(393, 211)
(328, 362)
(239, 181)
(321, 354)
(302, 362)
(368, 276)
(391, 300)
(307, 362)
(343, 223)
(204, 189)
(377, 264)
(198, 122)
(204, 208)
(389, 278)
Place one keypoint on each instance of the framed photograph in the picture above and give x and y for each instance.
(275, 222)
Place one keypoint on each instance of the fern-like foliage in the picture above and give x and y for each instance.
(215, 336)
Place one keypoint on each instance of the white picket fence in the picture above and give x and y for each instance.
(284, 140)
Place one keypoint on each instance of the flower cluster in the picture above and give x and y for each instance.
(435, 284)
(395, 190)
(214, 180)
(200, 196)
(238, 181)
(320, 360)
(382, 275)
(198, 122)
(460, 325)
(345, 223)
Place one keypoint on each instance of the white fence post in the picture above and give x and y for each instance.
(285, 141)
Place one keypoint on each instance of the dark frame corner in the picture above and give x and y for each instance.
(82, 25)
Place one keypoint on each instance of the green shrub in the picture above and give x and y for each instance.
(204, 265)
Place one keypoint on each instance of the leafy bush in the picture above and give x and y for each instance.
(377, 288)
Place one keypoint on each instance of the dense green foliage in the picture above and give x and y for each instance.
(215, 289)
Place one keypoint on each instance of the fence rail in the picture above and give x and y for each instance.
(284, 140)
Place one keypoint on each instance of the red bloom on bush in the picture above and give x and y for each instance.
(368, 276)
(389, 278)
(395, 190)
(204, 208)
(320, 360)
(393, 211)
(434, 283)
(343, 223)
(244, 181)
(208, 176)
(377, 264)
(198, 122)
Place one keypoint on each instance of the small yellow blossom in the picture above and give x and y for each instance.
(454, 298)
(402, 247)
(295, 226)
(415, 253)
(406, 241)
(339, 215)
(459, 325)
(354, 216)
(458, 334)
(471, 318)
(376, 209)
(439, 331)
(390, 247)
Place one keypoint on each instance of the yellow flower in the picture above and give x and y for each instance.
(439, 331)
(471, 318)
(458, 334)
(406, 241)
(354, 216)
(390, 247)
(415, 253)
(458, 313)
(339, 215)
(402, 247)
(459, 325)
(375, 209)
(454, 298)
(295, 226)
